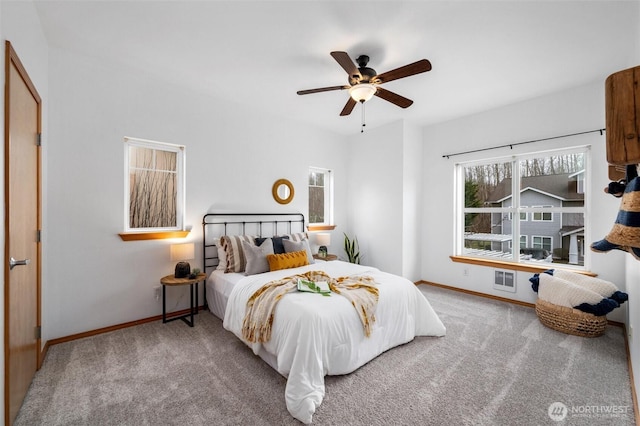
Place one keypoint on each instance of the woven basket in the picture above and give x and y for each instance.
(569, 320)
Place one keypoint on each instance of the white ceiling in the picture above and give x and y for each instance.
(485, 54)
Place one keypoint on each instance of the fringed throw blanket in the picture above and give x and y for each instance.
(258, 319)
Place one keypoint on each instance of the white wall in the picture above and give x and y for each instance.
(19, 23)
(575, 110)
(376, 195)
(633, 321)
(633, 279)
(233, 157)
(412, 188)
(385, 190)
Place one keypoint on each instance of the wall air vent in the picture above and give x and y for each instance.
(505, 281)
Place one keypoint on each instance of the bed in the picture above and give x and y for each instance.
(312, 336)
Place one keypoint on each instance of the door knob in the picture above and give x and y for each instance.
(13, 263)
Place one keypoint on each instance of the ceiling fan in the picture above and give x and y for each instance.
(364, 82)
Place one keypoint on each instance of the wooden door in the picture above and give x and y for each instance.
(22, 222)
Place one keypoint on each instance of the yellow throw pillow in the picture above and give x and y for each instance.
(287, 260)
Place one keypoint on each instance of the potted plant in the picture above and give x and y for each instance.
(352, 249)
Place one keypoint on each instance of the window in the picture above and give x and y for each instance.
(523, 242)
(548, 188)
(542, 216)
(320, 196)
(154, 186)
(523, 215)
(539, 242)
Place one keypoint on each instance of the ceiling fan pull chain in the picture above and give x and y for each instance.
(363, 123)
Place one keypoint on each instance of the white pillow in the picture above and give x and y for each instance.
(256, 257)
(291, 246)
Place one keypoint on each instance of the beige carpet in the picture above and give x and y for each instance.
(497, 366)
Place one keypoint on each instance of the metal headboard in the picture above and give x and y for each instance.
(215, 225)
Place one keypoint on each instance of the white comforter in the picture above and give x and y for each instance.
(313, 336)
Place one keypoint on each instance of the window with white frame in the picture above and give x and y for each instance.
(540, 216)
(523, 215)
(541, 242)
(523, 242)
(320, 196)
(549, 188)
(154, 186)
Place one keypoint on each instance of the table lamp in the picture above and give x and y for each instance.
(182, 253)
(323, 239)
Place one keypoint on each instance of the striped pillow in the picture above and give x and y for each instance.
(298, 236)
(222, 255)
(232, 245)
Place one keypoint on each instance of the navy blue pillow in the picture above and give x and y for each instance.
(278, 246)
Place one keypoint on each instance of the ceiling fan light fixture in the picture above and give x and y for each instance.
(362, 92)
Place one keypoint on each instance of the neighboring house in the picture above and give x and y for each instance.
(542, 234)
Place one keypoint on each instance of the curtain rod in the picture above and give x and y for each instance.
(511, 145)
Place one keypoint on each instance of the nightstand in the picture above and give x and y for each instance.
(171, 280)
(327, 258)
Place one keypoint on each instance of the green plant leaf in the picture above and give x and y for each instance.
(351, 248)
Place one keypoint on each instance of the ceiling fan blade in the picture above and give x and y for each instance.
(345, 62)
(394, 98)
(321, 89)
(418, 67)
(348, 107)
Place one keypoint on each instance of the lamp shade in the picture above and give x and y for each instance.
(182, 252)
(323, 239)
(362, 92)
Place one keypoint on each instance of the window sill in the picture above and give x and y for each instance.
(525, 267)
(313, 228)
(139, 236)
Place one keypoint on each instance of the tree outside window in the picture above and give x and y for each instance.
(320, 196)
(499, 195)
(155, 185)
